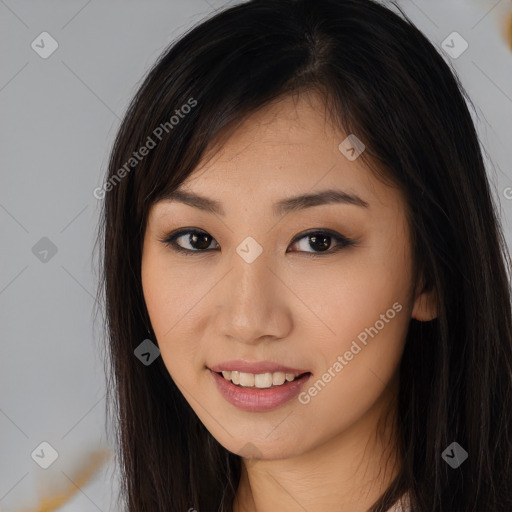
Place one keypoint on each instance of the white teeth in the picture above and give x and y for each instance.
(278, 378)
(246, 379)
(261, 380)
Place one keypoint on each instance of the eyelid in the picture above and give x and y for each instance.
(340, 240)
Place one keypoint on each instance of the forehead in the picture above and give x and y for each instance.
(286, 149)
(287, 143)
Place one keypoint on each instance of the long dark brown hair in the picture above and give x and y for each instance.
(384, 81)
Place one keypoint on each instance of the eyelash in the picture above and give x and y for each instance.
(341, 240)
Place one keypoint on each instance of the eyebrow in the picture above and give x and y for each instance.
(289, 204)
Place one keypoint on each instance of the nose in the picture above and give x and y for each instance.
(252, 302)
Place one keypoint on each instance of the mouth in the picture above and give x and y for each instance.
(266, 380)
(257, 392)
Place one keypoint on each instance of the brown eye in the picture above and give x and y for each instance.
(199, 241)
(320, 242)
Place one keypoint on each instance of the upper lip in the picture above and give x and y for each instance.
(256, 367)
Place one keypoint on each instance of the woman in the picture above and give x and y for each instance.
(305, 278)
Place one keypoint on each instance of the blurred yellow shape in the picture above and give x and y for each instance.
(83, 475)
(509, 30)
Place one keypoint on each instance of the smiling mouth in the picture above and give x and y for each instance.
(260, 381)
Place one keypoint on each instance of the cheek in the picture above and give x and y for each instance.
(352, 296)
(355, 366)
(365, 307)
(379, 275)
(170, 304)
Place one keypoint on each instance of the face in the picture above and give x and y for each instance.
(316, 287)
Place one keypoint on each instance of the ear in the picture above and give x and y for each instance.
(425, 304)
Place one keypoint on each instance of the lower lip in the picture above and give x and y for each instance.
(256, 399)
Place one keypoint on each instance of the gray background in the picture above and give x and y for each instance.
(58, 119)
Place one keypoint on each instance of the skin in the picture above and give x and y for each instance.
(289, 308)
